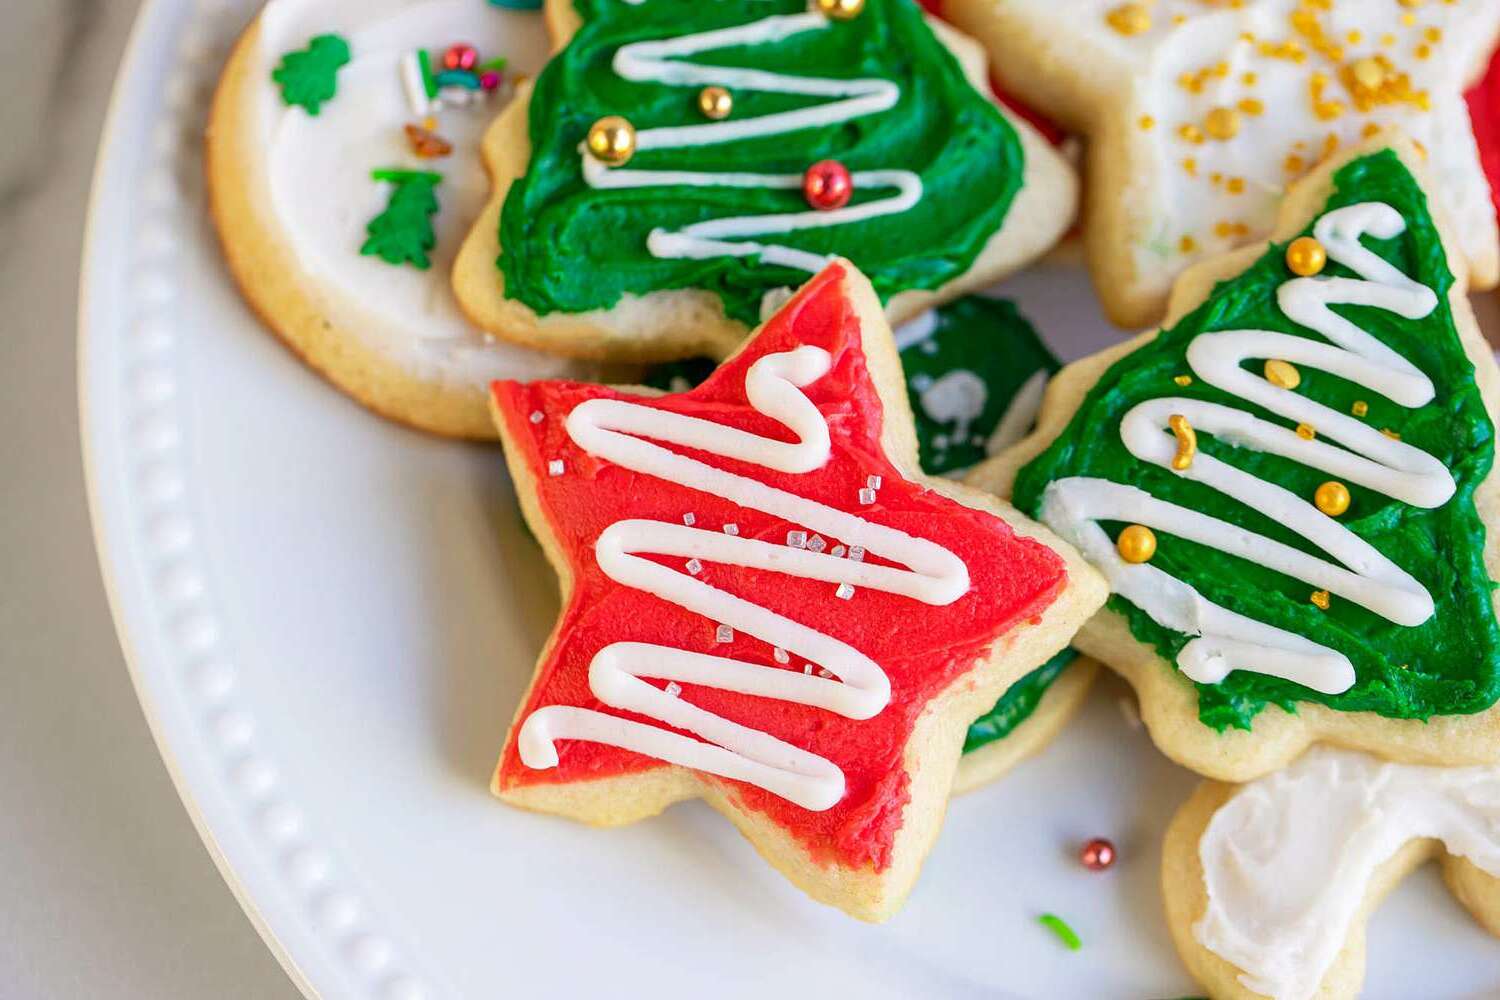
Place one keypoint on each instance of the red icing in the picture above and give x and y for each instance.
(922, 649)
(1484, 113)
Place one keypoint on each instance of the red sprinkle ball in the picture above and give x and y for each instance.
(1097, 855)
(827, 185)
(461, 57)
(489, 80)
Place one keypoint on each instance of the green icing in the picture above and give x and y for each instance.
(992, 340)
(402, 234)
(1017, 703)
(570, 248)
(962, 378)
(1446, 666)
(309, 76)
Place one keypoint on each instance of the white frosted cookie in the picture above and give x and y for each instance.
(1290, 489)
(679, 166)
(296, 168)
(1269, 886)
(734, 559)
(1199, 115)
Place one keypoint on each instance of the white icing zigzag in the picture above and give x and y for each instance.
(617, 430)
(1226, 640)
(659, 62)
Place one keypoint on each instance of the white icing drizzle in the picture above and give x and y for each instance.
(855, 686)
(659, 62)
(1226, 640)
(956, 397)
(1286, 861)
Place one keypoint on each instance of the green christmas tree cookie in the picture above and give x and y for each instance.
(1304, 449)
(402, 234)
(309, 77)
(909, 113)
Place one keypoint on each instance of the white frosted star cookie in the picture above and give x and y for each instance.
(1290, 489)
(679, 166)
(1269, 886)
(343, 169)
(1198, 115)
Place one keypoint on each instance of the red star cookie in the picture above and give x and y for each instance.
(766, 605)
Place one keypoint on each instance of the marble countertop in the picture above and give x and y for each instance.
(105, 889)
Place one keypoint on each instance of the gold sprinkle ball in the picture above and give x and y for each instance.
(1390, 434)
(1183, 380)
(839, 10)
(1130, 19)
(1306, 257)
(1320, 598)
(612, 141)
(1360, 408)
(1283, 374)
(1136, 544)
(1306, 432)
(1332, 498)
(715, 102)
(1368, 73)
(1222, 123)
(1187, 441)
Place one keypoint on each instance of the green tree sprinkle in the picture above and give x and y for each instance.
(402, 234)
(309, 76)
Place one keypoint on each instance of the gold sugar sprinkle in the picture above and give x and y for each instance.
(1129, 19)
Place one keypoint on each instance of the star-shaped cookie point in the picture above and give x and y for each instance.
(766, 606)
(1201, 114)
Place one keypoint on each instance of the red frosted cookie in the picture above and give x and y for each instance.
(767, 605)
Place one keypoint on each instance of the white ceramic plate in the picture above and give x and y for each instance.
(329, 621)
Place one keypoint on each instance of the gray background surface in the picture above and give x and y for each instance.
(105, 889)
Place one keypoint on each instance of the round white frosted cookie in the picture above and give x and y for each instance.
(292, 194)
